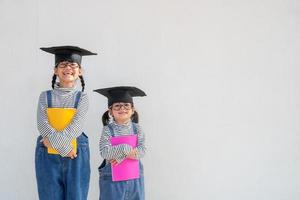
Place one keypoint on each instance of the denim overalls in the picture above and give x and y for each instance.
(61, 178)
(120, 190)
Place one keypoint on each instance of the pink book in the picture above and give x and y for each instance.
(128, 168)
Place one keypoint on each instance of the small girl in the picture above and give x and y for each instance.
(62, 153)
(122, 145)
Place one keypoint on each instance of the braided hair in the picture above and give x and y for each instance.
(53, 80)
(82, 82)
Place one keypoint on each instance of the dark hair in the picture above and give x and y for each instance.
(80, 77)
(105, 118)
(82, 82)
(53, 80)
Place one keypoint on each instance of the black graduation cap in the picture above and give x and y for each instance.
(120, 94)
(68, 53)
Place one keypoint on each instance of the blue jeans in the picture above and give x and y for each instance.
(120, 190)
(61, 178)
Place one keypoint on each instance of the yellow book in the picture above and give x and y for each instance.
(59, 119)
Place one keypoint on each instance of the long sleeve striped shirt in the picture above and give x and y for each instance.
(62, 98)
(119, 152)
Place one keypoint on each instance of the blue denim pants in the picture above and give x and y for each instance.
(61, 178)
(120, 190)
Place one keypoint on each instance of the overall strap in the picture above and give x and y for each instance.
(77, 99)
(135, 130)
(49, 98)
(111, 130)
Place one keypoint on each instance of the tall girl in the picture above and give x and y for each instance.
(62, 153)
(122, 145)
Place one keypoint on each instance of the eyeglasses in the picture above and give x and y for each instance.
(118, 106)
(64, 65)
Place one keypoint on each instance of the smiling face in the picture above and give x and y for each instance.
(67, 73)
(121, 112)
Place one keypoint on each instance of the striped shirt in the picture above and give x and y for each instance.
(119, 152)
(62, 98)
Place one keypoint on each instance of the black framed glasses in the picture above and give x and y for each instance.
(64, 65)
(118, 106)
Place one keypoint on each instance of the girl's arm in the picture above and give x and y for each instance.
(109, 152)
(43, 125)
(61, 141)
(141, 148)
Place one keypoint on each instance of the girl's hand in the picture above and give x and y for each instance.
(133, 154)
(113, 162)
(46, 142)
(72, 154)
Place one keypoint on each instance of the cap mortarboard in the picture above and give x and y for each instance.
(120, 94)
(67, 53)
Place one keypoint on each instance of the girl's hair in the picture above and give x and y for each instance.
(82, 82)
(53, 80)
(105, 118)
(80, 77)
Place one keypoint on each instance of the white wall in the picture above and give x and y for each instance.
(222, 112)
